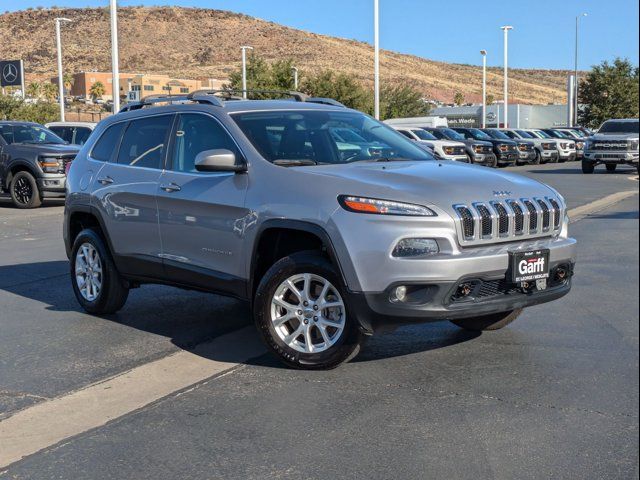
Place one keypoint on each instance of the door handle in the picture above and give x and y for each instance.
(105, 180)
(172, 187)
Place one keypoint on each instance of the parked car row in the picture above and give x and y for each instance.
(493, 147)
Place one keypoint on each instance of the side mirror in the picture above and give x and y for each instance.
(219, 160)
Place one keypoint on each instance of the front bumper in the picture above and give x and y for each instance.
(507, 158)
(52, 185)
(455, 158)
(527, 157)
(550, 156)
(486, 159)
(621, 157)
(567, 155)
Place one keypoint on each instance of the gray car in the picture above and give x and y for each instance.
(255, 200)
(546, 150)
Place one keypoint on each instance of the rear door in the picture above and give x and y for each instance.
(125, 194)
(202, 215)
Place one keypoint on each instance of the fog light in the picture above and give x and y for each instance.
(399, 294)
(415, 248)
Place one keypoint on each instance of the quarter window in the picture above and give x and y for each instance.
(108, 142)
(144, 142)
(82, 135)
(197, 133)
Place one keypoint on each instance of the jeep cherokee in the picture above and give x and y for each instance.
(255, 200)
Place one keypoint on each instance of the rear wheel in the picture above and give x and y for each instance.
(538, 159)
(96, 283)
(588, 166)
(24, 191)
(494, 321)
(611, 167)
(302, 314)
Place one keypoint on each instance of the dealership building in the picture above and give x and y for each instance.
(520, 116)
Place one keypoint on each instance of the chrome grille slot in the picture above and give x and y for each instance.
(468, 223)
(556, 213)
(519, 217)
(486, 221)
(533, 216)
(546, 214)
(503, 219)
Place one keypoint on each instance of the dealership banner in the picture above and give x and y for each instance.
(11, 73)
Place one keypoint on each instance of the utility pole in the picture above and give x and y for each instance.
(60, 75)
(244, 70)
(376, 73)
(506, 75)
(575, 78)
(295, 78)
(484, 88)
(115, 62)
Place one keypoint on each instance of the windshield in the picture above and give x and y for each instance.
(448, 133)
(619, 127)
(498, 135)
(423, 134)
(308, 137)
(478, 134)
(542, 134)
(31, 134)
(524, 134)
(558, 134)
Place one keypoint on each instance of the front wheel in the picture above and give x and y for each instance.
(96, 282)
(494, 321)
(538, 159)
(588, 167)
(24, 191)
(302, 314)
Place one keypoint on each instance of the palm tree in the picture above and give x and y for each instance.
(97, 90)
(67, 82)
(34, 90)
(49, 91)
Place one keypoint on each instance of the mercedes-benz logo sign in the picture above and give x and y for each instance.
(10, 73)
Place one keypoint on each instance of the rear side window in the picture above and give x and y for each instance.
(108, 142)
(82, 135)
(65, 133)
(6, 132)
(145, 142)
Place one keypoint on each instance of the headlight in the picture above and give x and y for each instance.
(503, 147)
(477, 148)
(448, 150)
(383, 207)
(564, 146)
(415, 248)
(50, 165)
(633, 145)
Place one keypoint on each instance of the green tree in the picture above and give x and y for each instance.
(49, 91)
(263, 76)
(12, 108)
(341, 87)
(402, 101)
(97, 90)
(67, 82)
(34, 90)
(458, 98)
(490, 99)
(609, 90)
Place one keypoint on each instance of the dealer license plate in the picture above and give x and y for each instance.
(529, 266)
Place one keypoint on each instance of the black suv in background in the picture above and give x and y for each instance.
(33, 163)
(526, 148)
(506, 151)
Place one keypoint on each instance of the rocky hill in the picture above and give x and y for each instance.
(195, 43)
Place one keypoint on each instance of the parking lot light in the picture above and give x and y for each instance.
(244, 70)
(294, 70)
(575, 78)
(60, 80)
(506, 29)
(376, 41)
(115, 68)
(484, 88)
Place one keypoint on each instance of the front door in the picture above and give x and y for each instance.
(202, 215)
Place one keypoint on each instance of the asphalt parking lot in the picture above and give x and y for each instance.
(555, 395)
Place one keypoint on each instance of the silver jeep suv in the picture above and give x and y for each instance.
(330, 241)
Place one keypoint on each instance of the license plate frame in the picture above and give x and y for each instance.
(536, 266)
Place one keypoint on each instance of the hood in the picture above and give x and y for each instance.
(446, 143)
(614, 136)
(497, 141)
(45, 149)
(429, 182)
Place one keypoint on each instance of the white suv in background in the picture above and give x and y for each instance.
(566, 147)
(445, 149)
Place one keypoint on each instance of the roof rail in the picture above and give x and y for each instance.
(325, 101)
(162, 98)
(229, 93)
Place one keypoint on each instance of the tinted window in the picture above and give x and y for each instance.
(108, 142)
(406, 134)
(33, 134)
(65, 133)
(497, 134)
(198, 133)
(82, 135)
(6, 132)
(619, 127)
(524, 134)
(304, 137)
(144, 142)
(423, 135)
(451, 134)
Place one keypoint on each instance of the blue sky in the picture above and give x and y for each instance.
(452, 31)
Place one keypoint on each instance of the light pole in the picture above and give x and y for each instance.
(295, 78)
(244, 70)
(115, 63)
(484, 88)
(575, 96)
(376, 72)
(506, 29)
(60, 79)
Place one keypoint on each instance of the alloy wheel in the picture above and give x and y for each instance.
(308, 313)
(88, 272)
(23, 191)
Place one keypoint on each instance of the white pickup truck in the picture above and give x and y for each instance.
(615, 143)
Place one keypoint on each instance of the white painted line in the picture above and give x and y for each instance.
(50, 422)
(577, 214)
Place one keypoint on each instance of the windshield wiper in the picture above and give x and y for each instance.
(303, 162)
(387, 159)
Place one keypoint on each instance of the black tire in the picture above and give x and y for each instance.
(24, 191)
(611, 167)
(495, 321)
(538, 159)
(113, 292)
(347, 345)
(588, 166)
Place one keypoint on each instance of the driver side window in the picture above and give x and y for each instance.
(196, 133)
